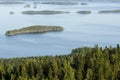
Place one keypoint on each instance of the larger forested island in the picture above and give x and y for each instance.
(34, 29)
(82, 64)
(43, 12)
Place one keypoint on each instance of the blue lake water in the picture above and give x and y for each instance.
(79, 30)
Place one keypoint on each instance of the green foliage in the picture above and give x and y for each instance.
(110, 11)
(84, 12)
(34, 29)
(82, 64)
(44, 12)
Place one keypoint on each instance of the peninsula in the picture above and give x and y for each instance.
(34, 29)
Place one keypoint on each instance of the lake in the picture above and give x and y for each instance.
(79, 30)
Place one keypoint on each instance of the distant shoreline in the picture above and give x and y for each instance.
(12, 2)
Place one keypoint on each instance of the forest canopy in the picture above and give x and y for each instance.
(82, 64)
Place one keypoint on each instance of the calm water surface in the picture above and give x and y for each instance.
(79, 30)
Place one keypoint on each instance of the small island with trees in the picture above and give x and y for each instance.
(110, 11)
(44, 12)
(34, 29)
(84, 12)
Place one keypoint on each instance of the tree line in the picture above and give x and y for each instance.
(84, 63)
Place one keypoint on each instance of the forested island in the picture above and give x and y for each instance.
(84, 12)
(34, 29)
(110, 11)
(44, 12)
(82, 64)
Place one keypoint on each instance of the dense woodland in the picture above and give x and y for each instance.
(82, 64)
